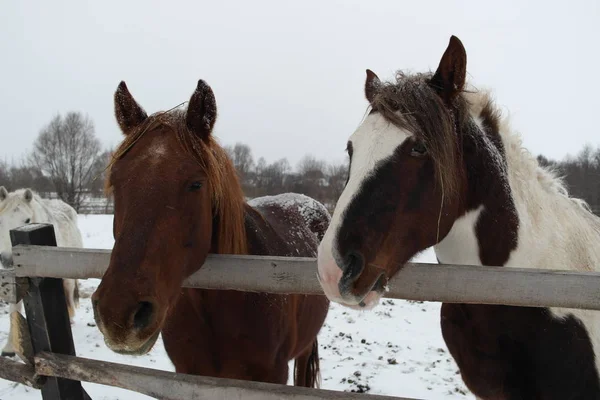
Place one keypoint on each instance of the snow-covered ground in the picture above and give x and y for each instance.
(396, 349)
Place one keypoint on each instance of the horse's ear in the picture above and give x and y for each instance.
(372, 84)
(202, 111)
(128, 112)
(449, 79)
(28, 195)
(3, 193)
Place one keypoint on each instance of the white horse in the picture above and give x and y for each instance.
(22, 207)
(434, 164)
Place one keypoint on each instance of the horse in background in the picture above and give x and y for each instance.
(434, 164)
(22, 207)
(177, 198)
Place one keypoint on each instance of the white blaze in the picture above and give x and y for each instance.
(375, 140)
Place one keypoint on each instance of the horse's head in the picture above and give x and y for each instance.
(405, 184)
(168, 181)
(16, 210)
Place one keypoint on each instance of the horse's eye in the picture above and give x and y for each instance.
(418, 149)
(28, 220)
(195, 186)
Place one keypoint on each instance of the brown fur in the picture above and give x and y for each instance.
(411, 202)
(177, 199)
(228, 198)
(409, 103)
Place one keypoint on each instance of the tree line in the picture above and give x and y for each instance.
(319, 179)
(68, 161)
(581, 174)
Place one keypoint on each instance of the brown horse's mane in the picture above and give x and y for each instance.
(410, 103)
(227, 196)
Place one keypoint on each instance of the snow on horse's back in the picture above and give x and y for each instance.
(24, 206)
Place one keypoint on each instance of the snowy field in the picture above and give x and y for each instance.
(397, 349)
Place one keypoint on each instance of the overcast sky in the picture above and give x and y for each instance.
(288, 76)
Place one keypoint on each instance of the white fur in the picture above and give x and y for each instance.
(463, 232)
(555, 231)
(157, 150)
(374, 141)
(15, 210)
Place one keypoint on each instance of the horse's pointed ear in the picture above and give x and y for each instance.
(28, 195)
(372, 84)
(202, 111)
(449, 79)
(3, 193)
(128, 112)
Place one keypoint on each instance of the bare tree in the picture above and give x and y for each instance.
(581, 173)
(5, 178)
(67, 150)
(311, 168)
(260, 166)
(23, 176)
(312, 178)
(273, 176)
(241, 155)
(337, 175)
(98, 175)
(282, 166)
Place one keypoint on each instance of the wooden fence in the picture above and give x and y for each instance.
(49, 355)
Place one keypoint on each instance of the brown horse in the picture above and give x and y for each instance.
(177, 199)
(433, 164)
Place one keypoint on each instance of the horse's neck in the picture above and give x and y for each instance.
(258, 230)
(555, 232)
(40, 211)
(253, 226)
(49, 212)
(486, 233)
(514, 218)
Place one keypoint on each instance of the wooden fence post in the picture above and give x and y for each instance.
(47, 315)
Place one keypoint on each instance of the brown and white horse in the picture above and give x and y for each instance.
(433, 164)
(177, 199)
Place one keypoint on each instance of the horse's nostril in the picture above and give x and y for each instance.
(143, 315)
(354, 266)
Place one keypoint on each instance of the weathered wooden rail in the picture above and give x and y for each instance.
(53, 367)
(170, 385)
(426, 282)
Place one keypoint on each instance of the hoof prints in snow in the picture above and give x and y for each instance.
(397, 350)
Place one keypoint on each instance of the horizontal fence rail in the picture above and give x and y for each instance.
(15, 371)
(426, 282)
(172, 386)
(46, 369)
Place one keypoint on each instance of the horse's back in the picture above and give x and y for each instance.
(298, 222)
(267, 330)
(65, 221)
